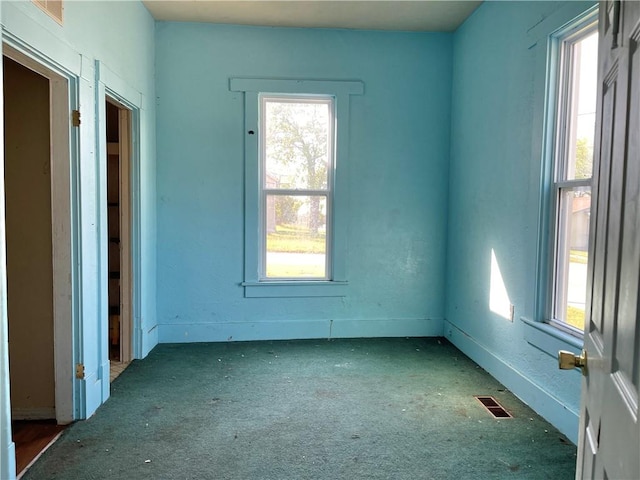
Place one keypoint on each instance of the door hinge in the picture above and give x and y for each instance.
(75, 118)
(80, 371)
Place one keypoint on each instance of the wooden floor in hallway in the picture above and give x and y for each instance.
(32, 437)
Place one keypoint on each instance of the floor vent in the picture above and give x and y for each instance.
(493, 407)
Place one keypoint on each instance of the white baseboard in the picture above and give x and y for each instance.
(535, 396)
(36, 413)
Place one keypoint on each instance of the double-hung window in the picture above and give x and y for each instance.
(570, 189)
(296, 143)
(296, 185)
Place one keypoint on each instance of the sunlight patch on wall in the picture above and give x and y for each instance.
(499, 302)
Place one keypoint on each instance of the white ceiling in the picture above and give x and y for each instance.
(416, 15)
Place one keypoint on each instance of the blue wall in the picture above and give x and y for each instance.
(398, 165)
(119, 38)
(497, 117)
(116, 41)
(425, 212)
(119, 35)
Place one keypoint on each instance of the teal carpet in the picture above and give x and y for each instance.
(318, 409)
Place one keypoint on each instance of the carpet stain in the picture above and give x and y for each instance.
(460, 411)
(326, 394)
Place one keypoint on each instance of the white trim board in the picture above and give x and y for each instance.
(536, 397)
(38, 413)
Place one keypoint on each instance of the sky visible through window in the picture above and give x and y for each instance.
(587, 63)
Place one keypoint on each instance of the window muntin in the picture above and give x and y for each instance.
(340, 92)
(296, 174)
(573, 162)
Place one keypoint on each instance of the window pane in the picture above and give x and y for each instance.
(296, 240)
(297, 144)
(573, 246)
(582, 108)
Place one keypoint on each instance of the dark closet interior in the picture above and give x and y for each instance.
(113, 220)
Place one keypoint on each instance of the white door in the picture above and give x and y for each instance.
(609, 446)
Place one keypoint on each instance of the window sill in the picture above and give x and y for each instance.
(294, 289)
(550, 339)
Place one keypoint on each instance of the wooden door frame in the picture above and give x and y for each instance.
(124, 189)
(61, 97)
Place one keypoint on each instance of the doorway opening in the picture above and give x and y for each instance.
(38, 236)
(118, 134)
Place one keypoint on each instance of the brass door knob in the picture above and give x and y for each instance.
(569, 361)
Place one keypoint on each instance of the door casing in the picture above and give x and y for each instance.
(62, 231)
(126, 294)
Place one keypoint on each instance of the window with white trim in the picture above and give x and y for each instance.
(573, 146)
(296, 186)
